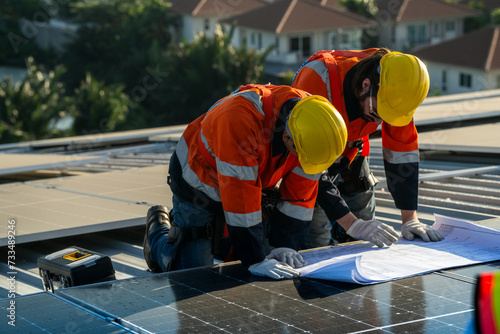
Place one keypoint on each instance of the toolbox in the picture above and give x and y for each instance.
(74, 266)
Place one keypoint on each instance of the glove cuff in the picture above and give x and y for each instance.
(411, 223)
(353, 231)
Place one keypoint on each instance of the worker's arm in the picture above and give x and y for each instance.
(330, 200)
(401, 162)
(337, 210)
(293, 213)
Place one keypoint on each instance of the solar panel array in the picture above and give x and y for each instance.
(83, 204)
(227, 299)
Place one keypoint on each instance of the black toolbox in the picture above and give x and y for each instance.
(74, 266)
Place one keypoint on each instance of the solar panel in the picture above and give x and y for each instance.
(20, 163)
(140, 185)
(486, 139)
(47, 313)
(82, 204)
(227, 299)
(458, 108)
(89, 141)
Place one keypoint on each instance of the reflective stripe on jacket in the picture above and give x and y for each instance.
(400, 144)
(238, 133)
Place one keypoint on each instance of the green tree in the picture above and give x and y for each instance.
(118, 40)
(200, 73)
(495, 16)
(29, 110)
(366, 8)
(17, 31)
(477, 21)
(100, 108)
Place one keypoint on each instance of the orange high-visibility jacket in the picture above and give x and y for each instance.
(234, 151)
(323, 74)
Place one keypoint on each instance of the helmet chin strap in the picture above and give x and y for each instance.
(286, 109)
(287, 129)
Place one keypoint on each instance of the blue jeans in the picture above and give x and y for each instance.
(193, 253)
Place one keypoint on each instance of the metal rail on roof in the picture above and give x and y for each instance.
(449, 174)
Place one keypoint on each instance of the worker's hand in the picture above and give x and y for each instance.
(273, 269)
(426, 233)
(373, 231)
(288, 256)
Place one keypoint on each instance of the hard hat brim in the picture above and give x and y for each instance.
(313, 169)
(394, 119)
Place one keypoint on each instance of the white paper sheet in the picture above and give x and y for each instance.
(464, 244)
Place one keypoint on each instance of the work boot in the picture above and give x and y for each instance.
(157, 215)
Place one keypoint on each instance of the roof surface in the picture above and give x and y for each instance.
(220, 8)
(288, 16)
(479, 49)
(102, 205)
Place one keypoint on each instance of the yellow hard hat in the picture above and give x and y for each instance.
(404, 84)
(319, 133)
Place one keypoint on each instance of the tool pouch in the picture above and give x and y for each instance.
(357, 177)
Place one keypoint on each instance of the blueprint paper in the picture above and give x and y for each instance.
(464, 244)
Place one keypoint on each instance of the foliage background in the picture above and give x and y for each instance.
(124, 69)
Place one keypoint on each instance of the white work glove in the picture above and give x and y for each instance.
(273, 269)
(414, 227)
(373, 231)
(288, 256)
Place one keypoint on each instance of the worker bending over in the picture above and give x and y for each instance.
(369, 88)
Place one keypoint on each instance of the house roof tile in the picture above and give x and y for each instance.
(287, 16)
(222, 8)
(483, 43)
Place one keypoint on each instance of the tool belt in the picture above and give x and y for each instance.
(349, 185)
(183, 234)
(356, 177)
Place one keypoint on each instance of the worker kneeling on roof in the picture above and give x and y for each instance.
(246, 143)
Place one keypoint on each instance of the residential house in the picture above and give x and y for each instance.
(296, 29)
(467, 63)
(202, 16)
(406, 25)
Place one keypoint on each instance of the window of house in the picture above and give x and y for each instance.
(450, 26)
(294, 44)
(436, 29)
(344, 38)
(207, 24)
(334, 41)
(277, 45)
(252, 39)
(417, 34)
(444, 79)
(465, 80)
(302, 45)
(306, 46)
(259, 41)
